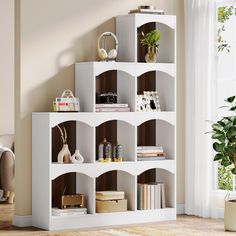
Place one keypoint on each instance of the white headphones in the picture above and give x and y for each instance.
(102, 53)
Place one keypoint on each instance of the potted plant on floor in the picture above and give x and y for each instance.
(151, 39)
(224, 135)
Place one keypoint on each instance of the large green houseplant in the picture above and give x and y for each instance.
(151, 39)
(224, 135)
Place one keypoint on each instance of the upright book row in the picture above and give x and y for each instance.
(151, 196)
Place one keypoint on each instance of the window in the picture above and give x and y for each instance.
(226, 73)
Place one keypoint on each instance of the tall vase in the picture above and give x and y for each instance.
(151, 55)
(64, 156)
(77, 158)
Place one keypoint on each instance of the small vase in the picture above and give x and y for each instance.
(151, 55)
(77, 157)
(64, 156)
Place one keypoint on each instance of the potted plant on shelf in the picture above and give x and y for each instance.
(151, 39)
(224, 134)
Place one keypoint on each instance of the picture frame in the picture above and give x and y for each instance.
(148, 101)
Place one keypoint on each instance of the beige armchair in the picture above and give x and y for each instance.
(7, 168)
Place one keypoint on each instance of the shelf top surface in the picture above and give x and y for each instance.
(94, 119)
(96, 169)
(133, 68)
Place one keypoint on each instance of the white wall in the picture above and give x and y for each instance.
(7, 66)
(51, 36)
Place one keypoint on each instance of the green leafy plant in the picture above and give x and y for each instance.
(151, 39)
(224, 134)
(224, 14)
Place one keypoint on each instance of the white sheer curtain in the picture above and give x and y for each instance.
(200, 46)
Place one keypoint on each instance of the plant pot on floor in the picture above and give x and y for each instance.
(230, 214)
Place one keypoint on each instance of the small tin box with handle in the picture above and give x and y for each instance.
(67, 102)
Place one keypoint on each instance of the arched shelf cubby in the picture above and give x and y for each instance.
(83, 184)
(118, 132)
(134, 24)
(124, 181)
(157, 133)
(161, 176)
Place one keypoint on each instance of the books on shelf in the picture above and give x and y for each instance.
(109, 195)
(151, 196)
(151, 158)
(150, 153)
(114, 107)
(149, 11)
(68, 211)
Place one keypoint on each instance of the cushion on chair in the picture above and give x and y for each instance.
(7, 141)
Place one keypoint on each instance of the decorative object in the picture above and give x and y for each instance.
(67, 102)
(104, 151)
(77, 158)
(64, 156)
(151, 40)
(110, 201)
(148, 101)
(76, 200)
(153, 100)
(117, 153)
(102, 52)
(108, 98)
(224, 132)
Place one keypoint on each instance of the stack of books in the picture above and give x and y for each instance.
(150, 153)
(113, 107)
(151, 196)
(68, 211)
(147, 10)
(110, 201)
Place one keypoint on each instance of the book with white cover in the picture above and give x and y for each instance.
(157, 196)
(152, 196)
(148, 197)
(109, 195)
(144, 149)
(68, 211)
(113, 109)
(163, 196)
(112, 105)
(151, 158)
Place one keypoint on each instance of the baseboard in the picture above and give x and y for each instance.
(180, 209)
(26, 221)
(22, 221)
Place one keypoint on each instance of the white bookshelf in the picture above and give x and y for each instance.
(44, 171)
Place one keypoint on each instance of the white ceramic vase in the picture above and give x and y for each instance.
(64, 156)
(77, 158)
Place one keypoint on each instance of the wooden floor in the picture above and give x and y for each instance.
(183, 226)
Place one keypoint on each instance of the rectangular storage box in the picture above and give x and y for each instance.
(111, 206)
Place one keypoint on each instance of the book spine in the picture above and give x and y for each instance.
(148, 197)
(163, 196)
(144, 197)
(158, 196)
(152, 196)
